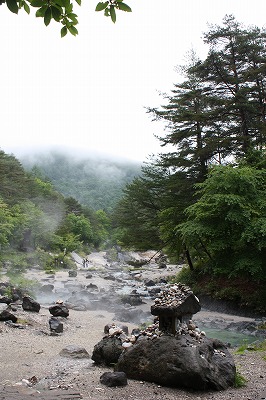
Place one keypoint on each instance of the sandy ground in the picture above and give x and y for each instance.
(34, 352)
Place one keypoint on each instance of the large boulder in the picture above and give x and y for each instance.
(29, 304)
(59, 310)
(107, 351)
(7, 316)
(179, 361)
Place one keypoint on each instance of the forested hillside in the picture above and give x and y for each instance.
(95, 182)
(38, 225)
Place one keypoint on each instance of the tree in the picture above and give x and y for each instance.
(234, 73)
(226, 227)
(62, 11)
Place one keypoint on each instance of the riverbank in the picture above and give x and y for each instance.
(34, 352)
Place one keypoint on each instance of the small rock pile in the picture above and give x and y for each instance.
(173, 296)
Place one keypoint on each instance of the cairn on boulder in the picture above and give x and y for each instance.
(175, 306)
(173, 351)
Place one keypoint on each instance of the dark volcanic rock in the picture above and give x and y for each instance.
(7, 316)
(5, 299)
(59, 310)
(107, 351)
(180, 361)
(29, 304)
(56, 325)
(112, 379)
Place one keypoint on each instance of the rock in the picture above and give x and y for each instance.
(5, 299)
(72, 273)
(150, 283)
(132, 299)
(112, 379)
(74, 351)
(123, 328)
(7, 316)
(88, 276)
(29, 304)
(179, 361)
(55, 325)
(107, 351)
(48, 288)
(59, 310)
(92, 286)
(134, 315)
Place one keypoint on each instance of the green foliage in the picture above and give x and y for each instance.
(109, 7)
(185, 276)
(256, 346)
(33, 216)
(27, 286)
(62, 11)
(227, 224)
(240, 380)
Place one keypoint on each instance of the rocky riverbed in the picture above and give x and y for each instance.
(103, 292)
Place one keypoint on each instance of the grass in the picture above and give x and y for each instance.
(240, 380)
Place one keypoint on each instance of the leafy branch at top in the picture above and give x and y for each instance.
(109, 7)
(62, 11)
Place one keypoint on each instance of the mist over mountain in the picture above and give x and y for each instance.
(95, 180)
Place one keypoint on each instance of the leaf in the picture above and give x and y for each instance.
(41, 11)
(79, 2)
(124, 7)
(12, 5)
(101, 6)
(37, 3)
(113, 14)
(26, 7)
(73, 17)
(61, 3)
(63, 31)
(73, 30)
(56, 14)
(47, 16)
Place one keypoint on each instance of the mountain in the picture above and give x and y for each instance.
(95, 181)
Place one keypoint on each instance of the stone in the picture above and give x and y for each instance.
(72, 273)
(107, 351)
(179, 361)
(59, 310)
(112, 379)
(7, 316)
(48, 288)
(74, 351)
(5, 299)
(29, 304)
(56, 325)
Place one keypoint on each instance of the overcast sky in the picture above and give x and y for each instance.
(89, 92)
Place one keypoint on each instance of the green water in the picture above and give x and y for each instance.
(234, 338)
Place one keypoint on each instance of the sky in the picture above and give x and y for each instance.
(87, 94)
